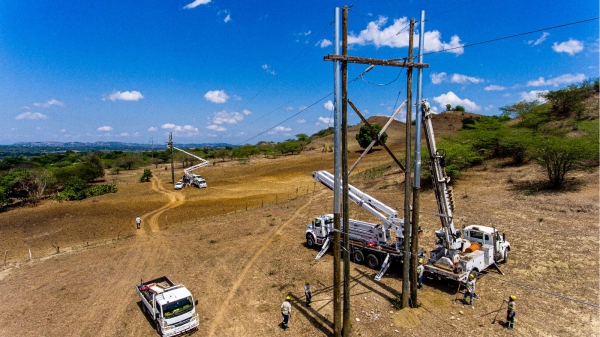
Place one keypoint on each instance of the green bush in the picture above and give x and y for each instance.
(365, 136)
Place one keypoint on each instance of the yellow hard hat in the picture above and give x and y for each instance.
(288, 297)
(421, 261)
(513, 297)
(472, 276)
(306, 282)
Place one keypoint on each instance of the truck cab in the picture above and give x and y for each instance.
(318, 230)
(487, 236)
(171, 307)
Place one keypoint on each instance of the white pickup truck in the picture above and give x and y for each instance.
(171, 307)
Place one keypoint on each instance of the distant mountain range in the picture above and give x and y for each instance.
(111, 145)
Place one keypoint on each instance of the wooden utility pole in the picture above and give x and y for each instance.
(172, 160)
(407, 179)
(345, 210)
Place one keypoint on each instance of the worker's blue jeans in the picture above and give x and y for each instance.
(286, 319)
(470, 294)
(420, 279)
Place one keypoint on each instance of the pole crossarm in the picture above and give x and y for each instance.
(376, 135)
(377, 62)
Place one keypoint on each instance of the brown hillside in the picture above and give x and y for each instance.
(239, 246)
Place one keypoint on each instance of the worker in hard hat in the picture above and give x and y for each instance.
(470, 289)
(420, 271)
(138, 221)
(511, 312)
(307, 292)
(286, 312)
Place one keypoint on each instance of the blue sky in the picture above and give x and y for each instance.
(241, 72)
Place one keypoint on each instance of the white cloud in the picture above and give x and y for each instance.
(533, 96)
(224, 117)
(324, 43)
(494, 87)
(458, 78)
(216, 128)
(540, 40)
(289, 108)
(185, 130)
(136, 134)
(433, 109)
(196, 3)
(31, 115)
(247, 112)
(152, 128)
(227, 18)
(124, 134)
(216, 96)
(105, 128)
(326, 120)
(570, 47)
(489, 107)
(268, 69)
(279, 129)
(49, 103)
(556, 81)
(301, 120)
(328, 105)
(125, 96)
(397, 36)
(437, 78)
(451, 98)
(63, 130)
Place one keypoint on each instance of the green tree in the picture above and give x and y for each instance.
(222, 153)
(91, 168)
(570, 100)
(532, 114)
(448, 107)
(559, 155)
(74, 189)
(129, 161)
(459, 108)
(302, 137)
(146, 176)
(365, 137)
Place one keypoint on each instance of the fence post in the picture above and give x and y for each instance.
(29, 253)
(6, 252)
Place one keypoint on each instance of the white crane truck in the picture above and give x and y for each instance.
(458, 253)
(194, 179)
(369, 243)
(171, 307)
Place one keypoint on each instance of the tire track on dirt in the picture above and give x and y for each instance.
(176, 199)
(238, 282)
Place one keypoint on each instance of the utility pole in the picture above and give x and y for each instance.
(346, 213)
(172, 167)
(345, 59)
(414, 245)
(407, 178)
(337, 319)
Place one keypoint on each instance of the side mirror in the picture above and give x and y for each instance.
(195, 302)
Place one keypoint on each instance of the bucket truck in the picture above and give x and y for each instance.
(188, 177)
(370, 243)
(458, 253)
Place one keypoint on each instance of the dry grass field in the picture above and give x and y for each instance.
(238, 245)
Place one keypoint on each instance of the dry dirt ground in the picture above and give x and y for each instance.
(238, 245)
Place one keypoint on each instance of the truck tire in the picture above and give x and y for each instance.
(310, 241)
(359, 257)
(505, 256)
(372, 261)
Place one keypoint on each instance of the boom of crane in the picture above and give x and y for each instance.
(387, 215)
(187, 172)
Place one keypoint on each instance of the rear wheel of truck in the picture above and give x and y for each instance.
(359, 257)
(372, 261)
(505, 256)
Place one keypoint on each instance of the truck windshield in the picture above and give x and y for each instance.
(178, 307)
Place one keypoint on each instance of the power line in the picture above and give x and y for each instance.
(511, 36)
(544, 291)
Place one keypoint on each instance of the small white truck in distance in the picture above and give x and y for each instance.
(171, 307)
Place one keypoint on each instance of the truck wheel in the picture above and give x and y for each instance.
(359, 257)
(310, 241)
(505, 256)
(372, 261)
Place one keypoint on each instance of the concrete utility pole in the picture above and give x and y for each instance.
(414, 245)
(407, 179)
(346, 213)
(337, 301)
